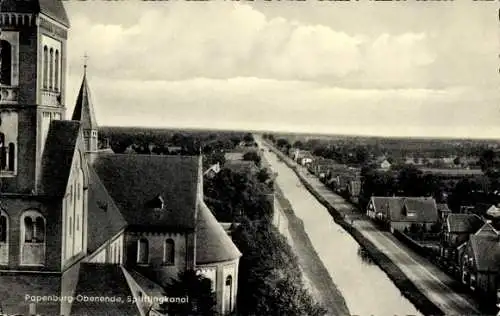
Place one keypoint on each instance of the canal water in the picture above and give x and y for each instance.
(366, 288)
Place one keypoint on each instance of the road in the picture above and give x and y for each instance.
(429, 279)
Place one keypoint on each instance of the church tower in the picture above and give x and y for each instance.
(84, 112)
(32, 86)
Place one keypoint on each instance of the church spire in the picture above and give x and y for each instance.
(84, 112)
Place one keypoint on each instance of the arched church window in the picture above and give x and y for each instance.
(142, 251)
(169, 252)
(5, 62)
(45, 67)
(56, 71)
(51, 69)
(33, 243)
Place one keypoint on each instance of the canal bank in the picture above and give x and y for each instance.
(407, 288)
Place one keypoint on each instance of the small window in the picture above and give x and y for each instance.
(143, 251)
(169, 252)
(229, 281)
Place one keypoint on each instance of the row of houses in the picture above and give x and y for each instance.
(469, 244)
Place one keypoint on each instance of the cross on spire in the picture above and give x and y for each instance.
(85, 59)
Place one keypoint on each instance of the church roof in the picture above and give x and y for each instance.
(213, 244)
(84, 110)
(102, 281)
(52, 8)
(105, 219)
(134, 181)
(57, 156)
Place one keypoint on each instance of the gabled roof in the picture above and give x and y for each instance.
(485, 245)
(105, 219)
(213, 244)
(84, 110)
(102, 281)
(463, 223)
(134, 180)
(57, 156)
(52, 8)
(424, 209)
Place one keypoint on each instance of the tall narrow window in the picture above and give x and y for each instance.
(51, 69)
(4, 246)
(169, 252)
(12, 156)
(39, 235)
(228, 294)
(143, 251)
(56, 71)
(45, 67)
(29, 229)
(3, 152)
(3, 228)
(5, 63)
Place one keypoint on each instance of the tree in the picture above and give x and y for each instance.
(457, 161)
(298, 144)
(281, 143)
(252, 156)
(198, 289)
(248, 138)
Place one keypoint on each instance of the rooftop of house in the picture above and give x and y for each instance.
(485, 245)
(463, 223)
(241, 166)
(212, 242)
(411, 209)
(137, 182)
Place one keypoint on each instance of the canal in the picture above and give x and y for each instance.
(366, 288)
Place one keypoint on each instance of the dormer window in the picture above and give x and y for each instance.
(158, 203)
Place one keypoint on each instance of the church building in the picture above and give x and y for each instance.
(84, 231)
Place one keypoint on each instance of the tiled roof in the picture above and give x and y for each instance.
(52, 8)
(133, 181)
(424, 208)
(486, 247)
(102, 281)
(84, 110)
(105, 219)
(14, 287)
(212, 243)
(463, 223)
(58, 156)
(241, 166)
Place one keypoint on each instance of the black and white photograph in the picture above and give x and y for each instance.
(249, 158)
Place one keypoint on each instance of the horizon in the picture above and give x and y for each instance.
(364, 69)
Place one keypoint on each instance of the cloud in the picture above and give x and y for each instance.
(224, 40)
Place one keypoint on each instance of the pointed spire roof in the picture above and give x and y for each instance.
(84, 110)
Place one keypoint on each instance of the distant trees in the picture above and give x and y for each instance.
(248, 138)
(282, 143)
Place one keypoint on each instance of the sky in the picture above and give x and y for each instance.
(409, 68)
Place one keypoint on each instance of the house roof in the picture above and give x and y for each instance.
(105, 218)
(84, 110)
(485, 245)
(241, 166)
(102, 281)
(57, 156)
(463, 223)
(213, 244)
(394, 207)
(52, 8)
(134, 181)
(14, 287)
